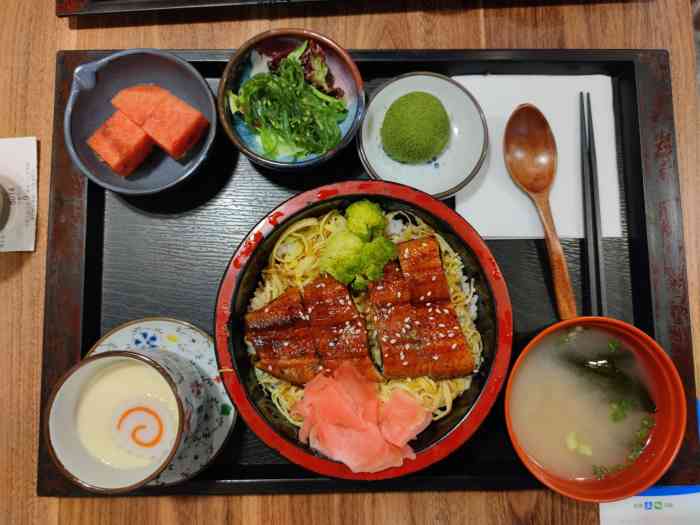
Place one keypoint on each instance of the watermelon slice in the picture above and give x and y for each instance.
(175, 125)
(121, 144)
(139, 102)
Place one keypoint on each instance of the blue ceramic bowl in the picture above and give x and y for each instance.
(257, 50)
(94, 85)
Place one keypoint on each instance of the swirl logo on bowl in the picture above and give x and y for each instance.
(144, 427)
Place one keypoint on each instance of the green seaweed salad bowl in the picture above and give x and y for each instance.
(291, 99)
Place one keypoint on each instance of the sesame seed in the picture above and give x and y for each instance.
(417, 323)
(402, 356)
(405, 363)
(429, 294)
(433, 278)
(422, 297)
(398, 294)
(450, 334)
(423, 244)
(331, 344)
(406, 319)
(269, 367)
(441, 325)
(407, 346)
(286, 343)
(392, 341)
(435, 357)
(454, 345)
(380, 287)
(385, 338)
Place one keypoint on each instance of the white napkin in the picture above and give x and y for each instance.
(499, 209)
(18, 176)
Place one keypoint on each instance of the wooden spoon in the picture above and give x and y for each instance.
(531, 158)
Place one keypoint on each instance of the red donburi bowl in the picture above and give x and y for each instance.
(495, 322)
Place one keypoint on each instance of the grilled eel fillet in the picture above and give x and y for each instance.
(338, 328)
(283, 340)
(416, 325)
(297, 337)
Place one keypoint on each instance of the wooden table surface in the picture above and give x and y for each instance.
(29, 39)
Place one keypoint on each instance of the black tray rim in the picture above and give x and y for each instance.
(90, 7)
(664, 237)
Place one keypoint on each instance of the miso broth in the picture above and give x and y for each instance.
(579, 404)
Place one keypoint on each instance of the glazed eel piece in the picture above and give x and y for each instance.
(412, 316)
(283, 340)
(297, 336)
(337, 326)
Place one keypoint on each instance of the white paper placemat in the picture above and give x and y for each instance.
(493, 204)
(18, 175)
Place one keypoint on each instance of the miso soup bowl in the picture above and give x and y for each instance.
(665, 439)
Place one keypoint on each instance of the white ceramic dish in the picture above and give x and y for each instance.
(456, 165)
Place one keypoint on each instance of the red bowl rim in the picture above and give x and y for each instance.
(630, 488)
(485, 399)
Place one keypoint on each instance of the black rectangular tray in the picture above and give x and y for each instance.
(112, 259)
(100, 7)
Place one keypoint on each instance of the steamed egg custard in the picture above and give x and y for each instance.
(127, 416)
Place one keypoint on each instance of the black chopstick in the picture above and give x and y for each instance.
(595, 269)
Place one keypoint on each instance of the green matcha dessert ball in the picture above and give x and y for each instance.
(416, 128)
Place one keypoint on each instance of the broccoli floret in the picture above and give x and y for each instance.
(360, 283)
(342, 256)
(375, 255)
(365, 219)
(358, 255)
